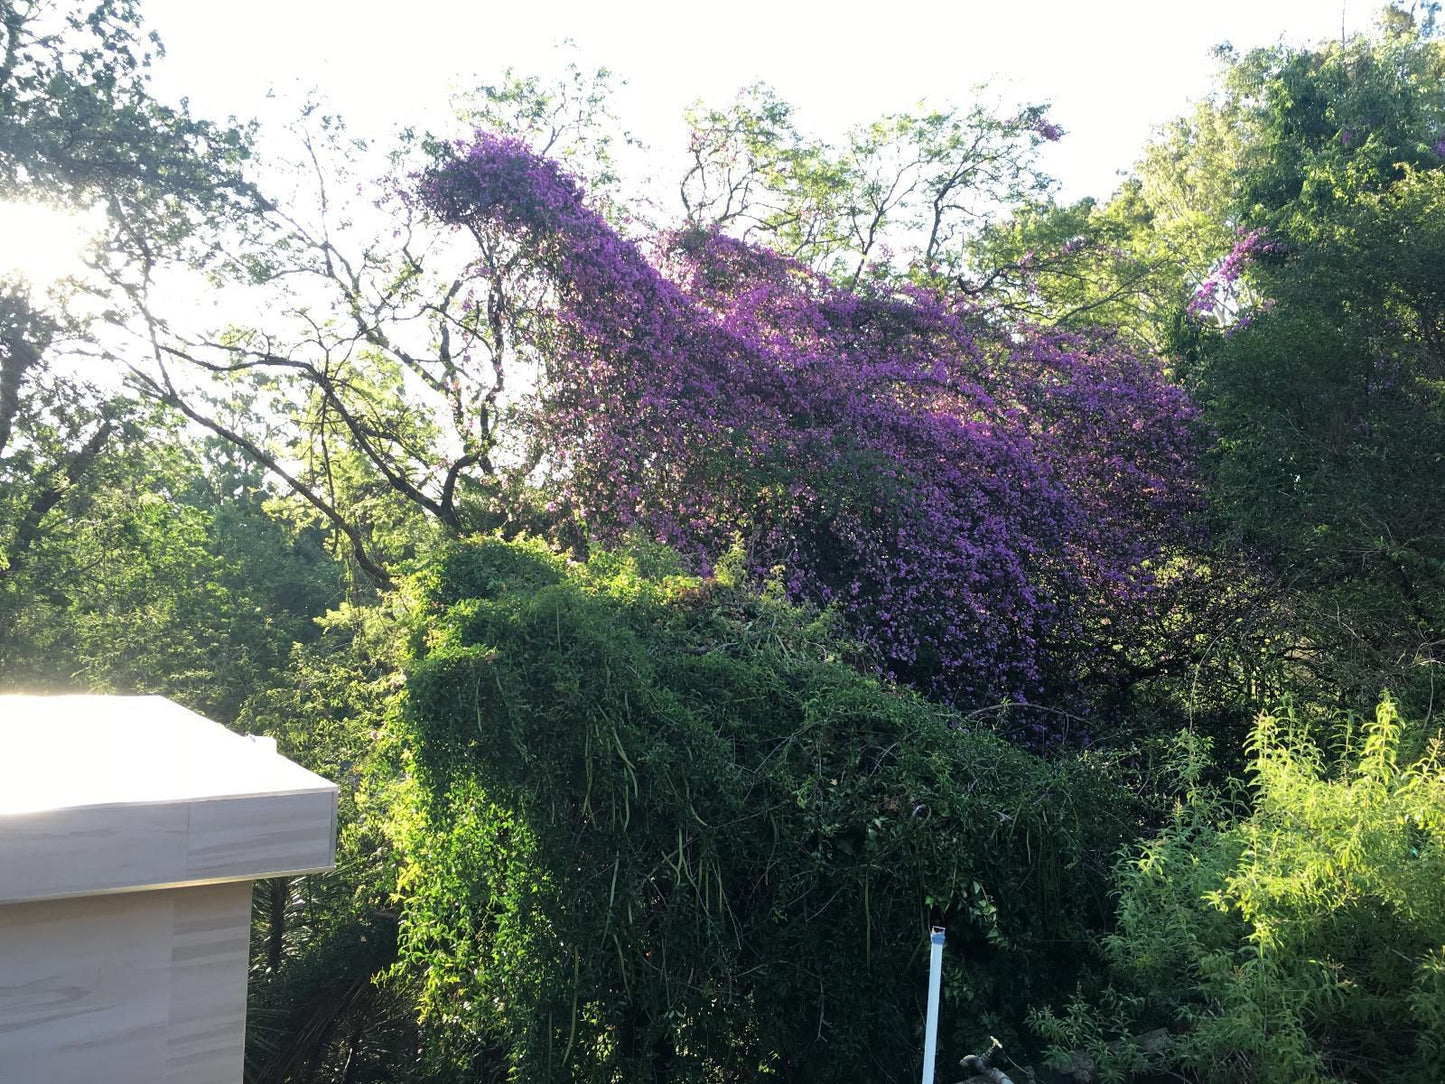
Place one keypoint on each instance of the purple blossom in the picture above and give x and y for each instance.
(1208, 295)
(969, 499)
(1032, 120)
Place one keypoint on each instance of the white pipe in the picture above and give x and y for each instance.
(935, 978)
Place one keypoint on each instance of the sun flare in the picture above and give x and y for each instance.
(43, 244)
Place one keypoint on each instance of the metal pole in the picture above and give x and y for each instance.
(935, 978)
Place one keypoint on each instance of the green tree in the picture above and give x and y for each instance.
(900, 194)
(1131, 262)
(51, 434)
(387, 380)
(1331, 413)
(149, 580)
(321, 1007)
(1280, 246)
(1327, 391)
(79, 127)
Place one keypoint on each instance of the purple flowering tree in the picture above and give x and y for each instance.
(971, 499)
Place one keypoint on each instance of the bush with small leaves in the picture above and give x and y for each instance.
(664, 831)
(1302, 939)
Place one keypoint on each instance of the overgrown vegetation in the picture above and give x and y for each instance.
(665, 832)
(1293, 931)
(695, 605)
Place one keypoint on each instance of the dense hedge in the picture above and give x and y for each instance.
(664, 831)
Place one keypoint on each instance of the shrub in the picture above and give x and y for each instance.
(1303, 939)
(664, 831)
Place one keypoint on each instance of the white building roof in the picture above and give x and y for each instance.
(115, 793)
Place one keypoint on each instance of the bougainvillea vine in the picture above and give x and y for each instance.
(967, 497)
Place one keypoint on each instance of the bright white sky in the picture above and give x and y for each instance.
(1112, 68)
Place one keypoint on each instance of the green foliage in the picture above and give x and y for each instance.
(1083, 265)
(1320, 366)
(79, 127)
(319, 1011)
(1330, 408)
(143, 580)
(1325, 124)
(663, 831)
(1128, 263)
(897, 197)
(1300, 939)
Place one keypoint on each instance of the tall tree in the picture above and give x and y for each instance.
(78, 128)
(1326, 385)
(965, 497)
(901, 193)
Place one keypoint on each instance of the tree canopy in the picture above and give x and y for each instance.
(696, 597)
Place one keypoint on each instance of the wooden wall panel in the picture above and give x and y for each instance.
(97, 849)
(85, 990)
(210, 946)
(261, 836)
(133, 988)
(68, 852)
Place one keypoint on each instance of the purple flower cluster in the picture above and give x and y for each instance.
(1033, 120)
(1209, 293)
(969, 499)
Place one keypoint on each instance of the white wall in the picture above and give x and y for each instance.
(132, 988)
